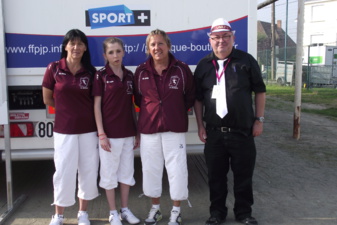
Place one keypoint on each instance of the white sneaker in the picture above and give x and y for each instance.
(56, 220)
(175, 218)
(114, 220)
(83, 218)
(128, 216)
(153, 217)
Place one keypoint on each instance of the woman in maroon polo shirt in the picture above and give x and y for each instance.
(116, 125)
(67, 87)
(164, 92)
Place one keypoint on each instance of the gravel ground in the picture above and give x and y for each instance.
(294, 182)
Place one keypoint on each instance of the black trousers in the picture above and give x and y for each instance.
(235, 151)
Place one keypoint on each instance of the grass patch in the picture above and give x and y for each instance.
(326, 97)
(326, 112)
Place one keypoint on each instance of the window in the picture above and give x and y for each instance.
(316, 39)
(317, 13)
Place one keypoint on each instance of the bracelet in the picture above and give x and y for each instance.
(102, 134)
(102, 138)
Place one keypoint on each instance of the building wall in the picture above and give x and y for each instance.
(320, 22)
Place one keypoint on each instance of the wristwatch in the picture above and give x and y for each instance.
(260, 119)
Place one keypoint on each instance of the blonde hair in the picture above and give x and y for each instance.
(157, 32)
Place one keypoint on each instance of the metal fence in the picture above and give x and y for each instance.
(312, 75)
(320, 75)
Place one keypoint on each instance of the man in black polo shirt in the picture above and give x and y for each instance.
(225, 80)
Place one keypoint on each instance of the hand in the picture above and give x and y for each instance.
(136, 142)
(202, 134)
(105, 143)
(257, 128)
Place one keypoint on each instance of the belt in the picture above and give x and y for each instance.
(230, 130)
(226, 129)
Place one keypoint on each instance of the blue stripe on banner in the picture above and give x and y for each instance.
(27, 50)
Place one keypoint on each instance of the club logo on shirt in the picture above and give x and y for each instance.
(84, 82)
(129, 89)
(174, 81)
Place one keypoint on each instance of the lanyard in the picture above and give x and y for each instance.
(222, 72)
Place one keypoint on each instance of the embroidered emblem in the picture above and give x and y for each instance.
(84, 82)
(174, 81)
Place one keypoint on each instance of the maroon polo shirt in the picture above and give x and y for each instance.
(164, 100)
(117, 105)
(74, 104)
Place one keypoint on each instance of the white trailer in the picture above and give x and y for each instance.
(322, 63)
(34, 31)
(319, 54)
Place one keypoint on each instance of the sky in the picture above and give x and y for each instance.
(264, 14)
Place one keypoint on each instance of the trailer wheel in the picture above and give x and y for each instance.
(280, 81)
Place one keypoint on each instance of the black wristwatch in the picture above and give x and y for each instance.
(260, 119)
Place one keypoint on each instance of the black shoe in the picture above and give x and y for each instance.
(214, 221)
(248, 221)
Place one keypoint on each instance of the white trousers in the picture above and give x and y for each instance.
(167, 149)
(75, 154)
(117, 165)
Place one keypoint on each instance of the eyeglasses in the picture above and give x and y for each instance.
(218, 38)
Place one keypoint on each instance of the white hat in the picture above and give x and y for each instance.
(219, 25)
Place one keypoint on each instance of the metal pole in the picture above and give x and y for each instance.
(267, 67)
(8, 168)
(298, 78)
(266, 3)
(308, 69)
(273, 64)
(285, 46)
(4, 105)
(4, 119)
